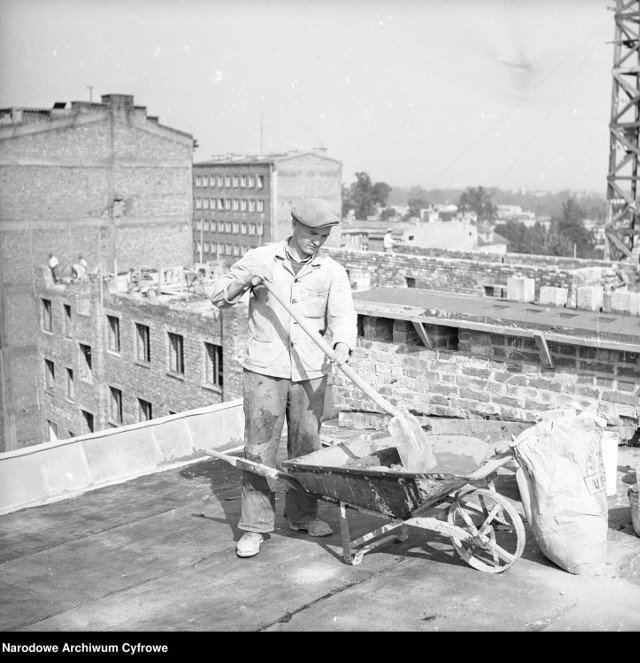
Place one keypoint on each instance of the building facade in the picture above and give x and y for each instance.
(104, 180)
(108, 357)
(241, 202)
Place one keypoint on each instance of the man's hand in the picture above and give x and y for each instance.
(258, 275)
(340, 354)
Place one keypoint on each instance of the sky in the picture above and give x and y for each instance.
(514, 94)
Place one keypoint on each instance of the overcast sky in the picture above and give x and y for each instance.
(436, 93)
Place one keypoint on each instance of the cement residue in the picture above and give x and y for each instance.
(456, 454)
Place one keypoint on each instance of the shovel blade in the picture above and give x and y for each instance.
(414, 448)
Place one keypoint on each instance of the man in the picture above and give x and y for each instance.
(388, 242)
(54, 266)
(285, 372)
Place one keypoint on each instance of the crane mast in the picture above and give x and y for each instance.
(622, 231)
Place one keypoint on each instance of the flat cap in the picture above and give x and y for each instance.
(315, 213)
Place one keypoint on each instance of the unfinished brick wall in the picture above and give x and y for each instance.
(196, 321)
(476, 375)
(469, 274)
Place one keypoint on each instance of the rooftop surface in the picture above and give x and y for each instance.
(157, 554)
(445, 308)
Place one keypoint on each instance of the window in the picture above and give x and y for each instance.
(47, 321)
(85, 362)
(49, 375)
(205, 180)
(235, 204)
(67, 320)
(212, 181)
(236, 181)
(227, 227)
(213, 364)
(143, 342)
(260, 205)
(213, 203)
(87, 418)
(198, 203)
(205, 203)
(243, 181)
(252, 205)
(176, 353)
(221, 204)
(145, 410)
(243, 228)
(88, 421)
(411, 282)
(220, 181)
(198, 180)
(71, 394)
(236, 250)
(259, 229)
(252, 181)
(252, 228)
(227, 249)
(236, 228)
(198, 245)
(227, 180)
(114, 333)
(243, 205)
(115, 411)
(53, 431)
(207, 247)
(220, 249)
(259, 181)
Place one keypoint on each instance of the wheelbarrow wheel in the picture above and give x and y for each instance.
(496, 527)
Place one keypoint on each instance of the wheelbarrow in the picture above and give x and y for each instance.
(459, 501)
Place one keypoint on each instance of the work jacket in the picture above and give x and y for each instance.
(276, 343)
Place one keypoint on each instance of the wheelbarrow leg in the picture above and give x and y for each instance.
(350, 547)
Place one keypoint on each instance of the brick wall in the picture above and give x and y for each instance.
(469, 274)
(196, 321)
(475, 375)
(112, 186)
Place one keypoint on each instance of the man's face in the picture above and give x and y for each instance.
(308, 240)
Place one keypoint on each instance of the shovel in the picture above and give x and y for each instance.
(414, 448)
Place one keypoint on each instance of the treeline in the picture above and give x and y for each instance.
(564, 234)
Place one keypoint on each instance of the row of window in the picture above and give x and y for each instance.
(231, 181)
(230, 204)
(212, 352)
(221, 249)
(234, 227)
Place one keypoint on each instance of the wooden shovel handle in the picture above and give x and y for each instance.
(328, 350)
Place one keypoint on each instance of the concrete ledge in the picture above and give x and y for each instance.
(48, 472)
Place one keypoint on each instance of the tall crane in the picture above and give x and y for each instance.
(622, 231)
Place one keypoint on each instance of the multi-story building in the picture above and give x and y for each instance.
(101, 179)
(243, 201)
(111, 356)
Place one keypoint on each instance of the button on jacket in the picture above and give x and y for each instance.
(320, 292)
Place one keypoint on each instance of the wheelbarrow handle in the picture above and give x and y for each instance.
(257, 468)
(328, 350)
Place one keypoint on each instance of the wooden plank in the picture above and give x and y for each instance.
(543, 349)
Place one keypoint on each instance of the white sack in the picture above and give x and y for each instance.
(563, 489)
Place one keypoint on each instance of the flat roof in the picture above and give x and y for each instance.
(500, 316)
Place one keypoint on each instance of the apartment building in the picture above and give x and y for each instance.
(243, 201)
(104, 180)
(109, 356)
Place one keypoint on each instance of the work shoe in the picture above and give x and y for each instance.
(249, 544)
(314, 527)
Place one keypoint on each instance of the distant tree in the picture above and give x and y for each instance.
(570, 225)
(522, 239)
(363, 196)
(415, 205)
(478, 200)
(388, 213)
